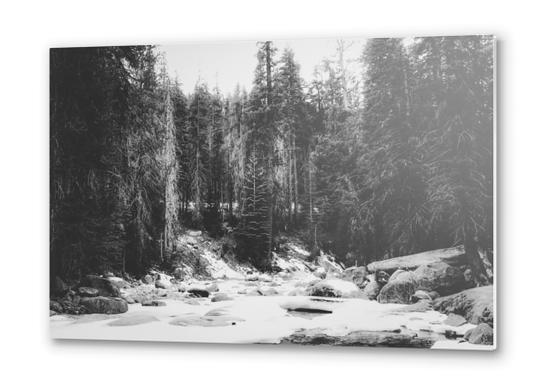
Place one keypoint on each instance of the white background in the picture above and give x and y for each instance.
(26, 32)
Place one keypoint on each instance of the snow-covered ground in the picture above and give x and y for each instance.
(250, 317)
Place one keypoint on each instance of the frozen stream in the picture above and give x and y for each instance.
(248, 318)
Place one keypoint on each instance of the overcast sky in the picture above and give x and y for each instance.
(227, 63)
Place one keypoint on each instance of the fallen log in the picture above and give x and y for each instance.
(452, 256)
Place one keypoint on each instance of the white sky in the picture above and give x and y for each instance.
(227, 63)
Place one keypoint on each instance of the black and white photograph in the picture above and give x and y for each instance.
(335, 191)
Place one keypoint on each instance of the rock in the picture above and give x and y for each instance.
(118, 282)
(153, 303)
(420, 295)
(469, 278)
(88, 292)
(334, 288)
(59, 287)
(394, 338)
(382, 277)
(55, 306)
(308, 306)
(455, 320)
(198, 292)
(452, 256)
(220, 297)
(109, 274)
(475, 304)
(52, 313)
(101, 304)
(397, 292)
(104, 286)
(178, 274)
(372, 290)
(482, 334)
(147, 279)
(212, 288)
(163, 284)
(439, 277)
(357, 275)
(396, 273)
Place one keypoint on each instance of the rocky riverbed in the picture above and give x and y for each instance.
(316, 303)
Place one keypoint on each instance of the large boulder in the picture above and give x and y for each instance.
(101, 304)
(452, 256)
(475, 304)
(402, 275)
(104, 286)
(482, 334)
(439, 277)
(334, 288)
(397, 292)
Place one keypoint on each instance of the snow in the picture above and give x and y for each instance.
(254, 319)
(258, 319)
(218, 268)
(299, 250)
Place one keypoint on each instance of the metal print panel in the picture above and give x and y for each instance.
(316, 191)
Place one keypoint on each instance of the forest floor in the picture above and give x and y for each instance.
(237, 304)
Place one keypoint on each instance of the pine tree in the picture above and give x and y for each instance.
(455, 91)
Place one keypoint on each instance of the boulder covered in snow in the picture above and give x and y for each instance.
(452, 256)
(334, 288)
(220, 297)
(397, 292)
(101, 304)
(475, 304)
(439, 277)
(163, 284)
